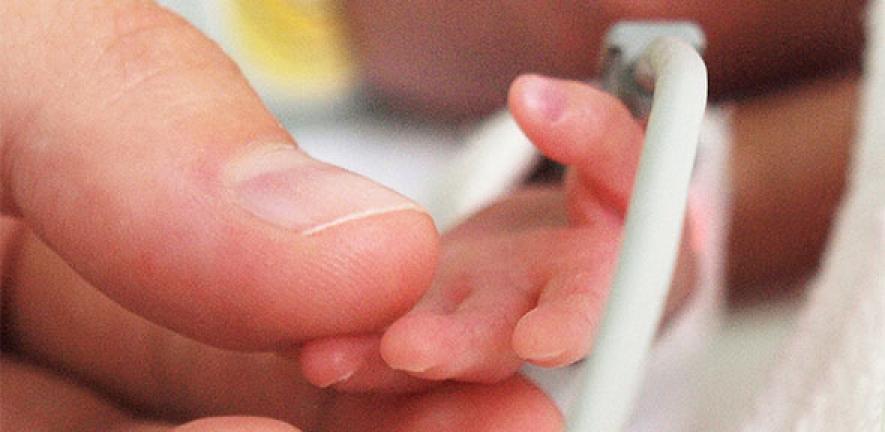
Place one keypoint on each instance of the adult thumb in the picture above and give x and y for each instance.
(133, 146)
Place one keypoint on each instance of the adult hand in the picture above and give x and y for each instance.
(150, 202)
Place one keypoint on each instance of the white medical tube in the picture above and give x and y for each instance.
(614, 370)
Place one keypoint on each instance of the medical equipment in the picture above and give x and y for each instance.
(641, 58)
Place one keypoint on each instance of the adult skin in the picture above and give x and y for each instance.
(153, 210)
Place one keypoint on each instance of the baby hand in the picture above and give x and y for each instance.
(524, 280)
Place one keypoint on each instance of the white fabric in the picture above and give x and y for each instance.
(833, 374)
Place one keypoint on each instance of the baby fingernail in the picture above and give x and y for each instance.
(413, 368)
(545, 97)
(544, 356)
(286, 188)
(337, 380)
(410, 365)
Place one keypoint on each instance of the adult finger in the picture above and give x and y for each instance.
(58, 319)
(135, 149)
(54, 317)
(510, 406)
(36, 399)
(353, 364)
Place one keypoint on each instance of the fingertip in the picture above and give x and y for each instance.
(537, 103)
(236, 424)
(353, 364)
(417, 343)
(562, 116)
(332, 361)
(578, 125)
(540, 98)
(551, 336)
(537, 343)
(560, 330)
(377, 269)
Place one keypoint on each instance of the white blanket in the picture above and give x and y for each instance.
(833, 374)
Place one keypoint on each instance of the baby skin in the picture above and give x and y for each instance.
(525, 280)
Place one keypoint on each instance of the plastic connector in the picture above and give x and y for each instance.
(624, 46)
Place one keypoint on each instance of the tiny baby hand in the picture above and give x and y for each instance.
(527, 278)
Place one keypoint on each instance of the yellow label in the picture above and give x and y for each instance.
(293, 43)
